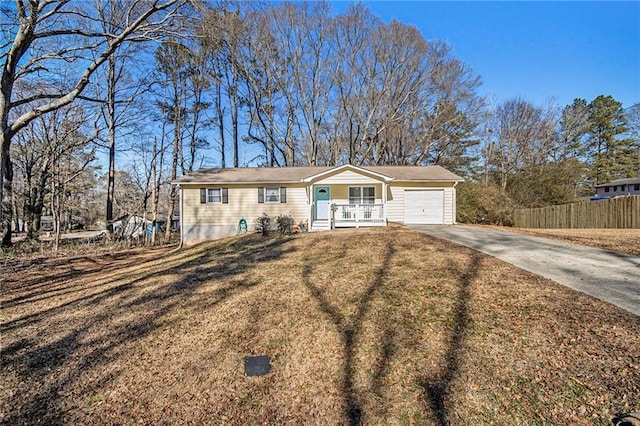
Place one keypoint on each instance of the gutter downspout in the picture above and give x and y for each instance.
(181, 220)
(455, 204)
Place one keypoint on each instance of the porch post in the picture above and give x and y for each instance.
(310, 212)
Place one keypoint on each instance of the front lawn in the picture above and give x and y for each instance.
(384, 326)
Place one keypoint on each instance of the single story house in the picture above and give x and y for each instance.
(213, 201)
(618, 188)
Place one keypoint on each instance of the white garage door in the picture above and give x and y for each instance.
(425, 207)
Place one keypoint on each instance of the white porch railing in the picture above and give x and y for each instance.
(358, 215)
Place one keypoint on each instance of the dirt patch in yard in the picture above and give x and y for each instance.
(384, 326)
(620, 240)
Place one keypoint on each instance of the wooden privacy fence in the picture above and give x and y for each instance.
(623, 212)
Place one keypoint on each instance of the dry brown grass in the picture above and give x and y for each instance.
(380, 327)
(620, 240)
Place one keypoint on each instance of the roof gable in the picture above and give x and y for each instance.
(348, 167)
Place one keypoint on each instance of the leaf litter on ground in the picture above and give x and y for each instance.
(378, 326)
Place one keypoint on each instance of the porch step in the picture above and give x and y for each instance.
(320, 225)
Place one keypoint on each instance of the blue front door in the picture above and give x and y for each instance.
(321, 195)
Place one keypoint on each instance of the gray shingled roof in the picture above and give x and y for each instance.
(628, 181)
(296, 174)
(417, 173)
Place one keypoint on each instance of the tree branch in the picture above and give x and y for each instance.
(82, 82)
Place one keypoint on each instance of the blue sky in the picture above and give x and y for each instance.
(538, 51)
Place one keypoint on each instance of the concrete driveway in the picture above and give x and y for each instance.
(606, 275)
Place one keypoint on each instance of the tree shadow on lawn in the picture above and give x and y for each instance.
(34, 285)
(436, 387)
(350, 331)
(102, 327)
(71, 277)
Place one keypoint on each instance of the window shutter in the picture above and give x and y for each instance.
(225, 195)
(203, 195)
(283, 194)
(261, 195)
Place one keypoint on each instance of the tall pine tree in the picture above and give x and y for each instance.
(607, 150)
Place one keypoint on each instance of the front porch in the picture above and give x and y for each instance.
(347, 197)
(357, 215)
(347, 216)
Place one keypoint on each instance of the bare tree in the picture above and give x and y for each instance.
(633, 121)
(33, 172)
(312, 63)
(173, 61)
(271, 112)
(44, 35)
(120, 84)
(402, 99)
(574, 125)
(221, 34)
(70, 163)
(199, 85)
(524, 137)
(40, 147)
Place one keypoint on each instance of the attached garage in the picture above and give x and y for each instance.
(424, 207)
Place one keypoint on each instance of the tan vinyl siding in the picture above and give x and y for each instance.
(449, 205)
(395, 200)
(208, 221)
(395, 204)
(347, 177)
(243, 202)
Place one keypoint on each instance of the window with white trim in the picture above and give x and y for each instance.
(362, 195)
(272, 195)
(214, 195)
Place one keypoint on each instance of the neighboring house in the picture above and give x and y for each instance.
(135, 226)
(46, 223)
(618, 187)
(213, 201)
(75, 222)
(129, 226)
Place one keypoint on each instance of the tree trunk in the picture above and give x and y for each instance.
(234, 124)
(16, 216)
(220, 116)
(55, 211)
(154, 192)
(30, 195)
(174, 167)
(38, 205)
(111, 123)
(6, 192)
(173, 195)
(234, 120)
